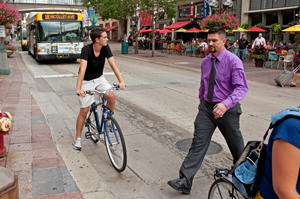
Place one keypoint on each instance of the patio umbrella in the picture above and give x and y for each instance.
(295, 28)
(180, 30)
(142, 31)
(194, 30)
(239, 29)
(157, 30)
(256, 29)
(163, 31)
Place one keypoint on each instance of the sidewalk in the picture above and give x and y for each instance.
(31, 153)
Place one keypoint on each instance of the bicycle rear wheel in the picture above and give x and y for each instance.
(223, 189)
(115, 144)
(92, 128)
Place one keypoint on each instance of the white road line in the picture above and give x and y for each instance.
(65, 75)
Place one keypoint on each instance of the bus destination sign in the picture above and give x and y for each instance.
(59, 16)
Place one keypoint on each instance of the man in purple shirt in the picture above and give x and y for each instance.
(223, 85)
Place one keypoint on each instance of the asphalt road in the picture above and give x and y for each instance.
(156, 111)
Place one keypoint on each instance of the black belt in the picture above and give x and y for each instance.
(212, 103)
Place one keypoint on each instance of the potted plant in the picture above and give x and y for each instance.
(260, 25)
(259, 55)
(10, 50)
(276, 28)
(245, 26)
(225, 20)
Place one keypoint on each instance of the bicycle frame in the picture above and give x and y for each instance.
(99, 126)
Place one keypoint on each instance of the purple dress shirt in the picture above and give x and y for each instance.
(231, 84)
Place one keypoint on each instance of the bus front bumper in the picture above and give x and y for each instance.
(58, 56)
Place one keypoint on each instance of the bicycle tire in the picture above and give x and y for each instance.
(117, 151)
(223, 189)
(92, 128)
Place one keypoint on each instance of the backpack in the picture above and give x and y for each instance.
(249, 169)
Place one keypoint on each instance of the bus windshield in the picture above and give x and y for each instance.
(24, 34)
(52, 31)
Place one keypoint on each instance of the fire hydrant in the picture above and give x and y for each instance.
(5, 125)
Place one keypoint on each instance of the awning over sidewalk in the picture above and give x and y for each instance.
(179, 24)
(111, 28)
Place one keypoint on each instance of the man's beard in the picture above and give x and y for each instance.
(212, 49)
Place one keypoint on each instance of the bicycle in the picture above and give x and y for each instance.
(109, 128)
(223, 187)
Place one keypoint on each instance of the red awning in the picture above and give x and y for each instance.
(179, 24)
(113, 27)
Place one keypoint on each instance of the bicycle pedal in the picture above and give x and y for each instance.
(88, 135)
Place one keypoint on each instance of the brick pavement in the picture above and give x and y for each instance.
(32, 155)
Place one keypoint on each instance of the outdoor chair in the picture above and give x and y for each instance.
(246, 55)
(164, 47)
(188, 49)
(272, 57)
(171, 47)
(194, 49)
(182, 49)
(287, 59)
(177, 48)
(236, 51)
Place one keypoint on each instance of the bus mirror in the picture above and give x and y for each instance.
(32, 27)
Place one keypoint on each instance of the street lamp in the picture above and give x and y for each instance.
(220, 9)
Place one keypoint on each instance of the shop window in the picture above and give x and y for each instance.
(199, 12)
(255, 4)
(280, 4)
(292, 2)
(272, 18)
(287, 17)
(256, 18)
(184, 13)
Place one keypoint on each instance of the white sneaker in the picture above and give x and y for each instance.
(77, 144)
(109, 126)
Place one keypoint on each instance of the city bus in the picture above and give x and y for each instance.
(54, 35)
(23, 35)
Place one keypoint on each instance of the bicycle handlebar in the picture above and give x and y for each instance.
(92, 92)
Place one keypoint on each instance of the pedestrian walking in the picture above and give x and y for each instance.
(259, 41)
(223, 85)
(243, 43)
(90, 77)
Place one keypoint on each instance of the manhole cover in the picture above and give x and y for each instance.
(185, 145)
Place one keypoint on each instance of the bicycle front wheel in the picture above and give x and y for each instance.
(115, 144)
(223, 190)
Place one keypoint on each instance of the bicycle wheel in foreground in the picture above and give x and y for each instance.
(223, 190)
(92, 128)
(116, 148)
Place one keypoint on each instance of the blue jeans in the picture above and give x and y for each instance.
(241, 51)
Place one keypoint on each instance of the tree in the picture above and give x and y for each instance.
(115, 9)
(122, 9)
(160, 9)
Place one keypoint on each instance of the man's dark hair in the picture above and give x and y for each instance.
(217, 30)
(96, 33)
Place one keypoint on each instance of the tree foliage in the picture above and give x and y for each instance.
(122, 9)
